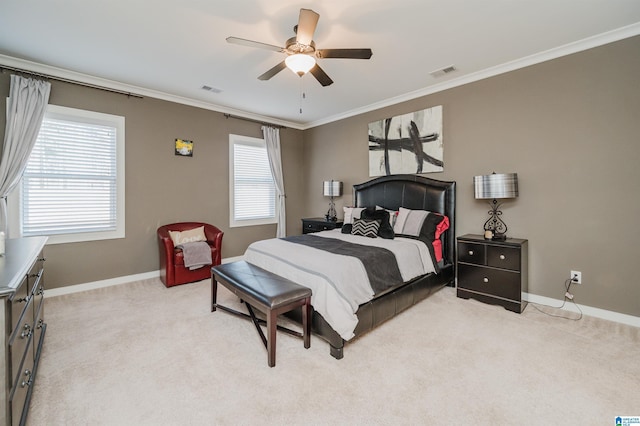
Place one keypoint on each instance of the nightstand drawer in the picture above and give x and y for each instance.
(317, 227)
(471, 253)
(503, 257)
(318, 224)
(494, 282)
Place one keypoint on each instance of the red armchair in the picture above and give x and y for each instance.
(172, 269)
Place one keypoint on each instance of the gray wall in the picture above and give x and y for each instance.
(569, 127)
(161, 187)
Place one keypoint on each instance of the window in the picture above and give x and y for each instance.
(73, 186)
(252, 192)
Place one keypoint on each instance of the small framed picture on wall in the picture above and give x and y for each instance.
(184, 148)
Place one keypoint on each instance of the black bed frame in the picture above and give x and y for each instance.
(391, 192)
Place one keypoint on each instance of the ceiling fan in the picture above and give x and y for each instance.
(301, 50)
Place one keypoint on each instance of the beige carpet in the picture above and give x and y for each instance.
(141, 354)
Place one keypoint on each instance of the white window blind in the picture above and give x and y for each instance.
(71, 183)
(253, 190)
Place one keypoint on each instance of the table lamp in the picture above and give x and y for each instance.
(332, 188)
(495, 187)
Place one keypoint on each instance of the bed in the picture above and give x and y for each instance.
(390, 193)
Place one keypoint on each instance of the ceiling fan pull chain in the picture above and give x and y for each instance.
(303, 95)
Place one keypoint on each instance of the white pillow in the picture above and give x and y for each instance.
(351, 213)
(188, 236)
(409, 222)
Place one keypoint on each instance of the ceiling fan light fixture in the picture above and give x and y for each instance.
(301, 51)
(300, 63)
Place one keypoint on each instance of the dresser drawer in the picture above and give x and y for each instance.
(503, 257)
(38, 323)
(18, 302)
(21, 388)
(471, 253)
(21, 337)
(494, 282)
(37, 292)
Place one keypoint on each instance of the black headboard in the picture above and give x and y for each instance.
(416, 193)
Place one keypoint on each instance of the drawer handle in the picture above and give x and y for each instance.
(502, 257)
(485, 279)
(26, 332)
(470, 252)
(27, 381)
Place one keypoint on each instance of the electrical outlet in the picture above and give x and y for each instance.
(576, 277)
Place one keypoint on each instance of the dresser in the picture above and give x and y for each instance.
(494, 272)
(317, 224)
(22, 316)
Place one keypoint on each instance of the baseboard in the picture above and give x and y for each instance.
(587, 310)
(113, 281)
(100, 284)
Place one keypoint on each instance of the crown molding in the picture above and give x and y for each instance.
(558, 52)
(578, 46)
(64, 74)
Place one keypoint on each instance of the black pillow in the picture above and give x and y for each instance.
(385, 230)
(430, 225)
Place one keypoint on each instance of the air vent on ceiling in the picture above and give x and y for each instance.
(211, 89)
(442, 71)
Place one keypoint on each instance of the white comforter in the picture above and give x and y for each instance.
(339, 283)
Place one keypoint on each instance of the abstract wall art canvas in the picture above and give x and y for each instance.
(406, 144)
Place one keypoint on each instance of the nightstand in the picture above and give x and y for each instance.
(317, 224)
(494, 272)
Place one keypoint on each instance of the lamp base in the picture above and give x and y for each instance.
(332, 215)
(495, 228)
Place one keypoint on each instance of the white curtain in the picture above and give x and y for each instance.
(272, 140)
(28, 99)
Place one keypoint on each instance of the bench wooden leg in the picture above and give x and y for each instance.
(214, 293)
(306, 322)
(272, 319)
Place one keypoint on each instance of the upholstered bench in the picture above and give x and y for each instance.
(267, 292)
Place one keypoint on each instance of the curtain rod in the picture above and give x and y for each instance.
(66, 80)
(277, 126)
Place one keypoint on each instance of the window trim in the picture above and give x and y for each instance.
(15, 211)
(246, 140)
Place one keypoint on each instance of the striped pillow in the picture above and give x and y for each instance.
(365, 228)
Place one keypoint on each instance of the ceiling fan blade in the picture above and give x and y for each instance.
(306, 26)
(251, 43)
(321, 76)
(344, 53)
(273, 71)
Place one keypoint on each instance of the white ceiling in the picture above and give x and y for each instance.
(170, 48)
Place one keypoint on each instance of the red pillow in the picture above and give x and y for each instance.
(440, 227)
